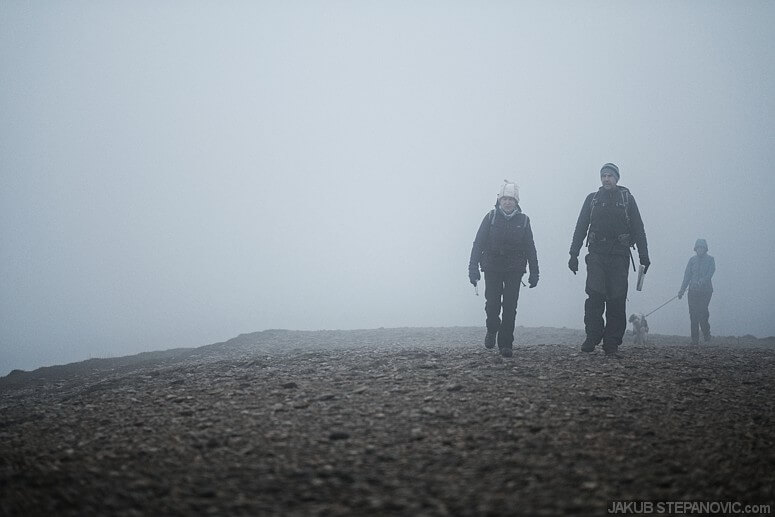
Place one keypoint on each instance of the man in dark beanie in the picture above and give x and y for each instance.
(611, 222)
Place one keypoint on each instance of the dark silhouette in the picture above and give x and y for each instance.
(503, 248)
(611, 221)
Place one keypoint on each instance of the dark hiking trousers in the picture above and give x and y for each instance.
(501, 291)
(699, 314)
(606, 288)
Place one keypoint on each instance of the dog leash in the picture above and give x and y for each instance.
(655, 310)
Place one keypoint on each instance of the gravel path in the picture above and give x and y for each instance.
(390, 422)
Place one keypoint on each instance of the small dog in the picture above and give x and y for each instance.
(640, 328)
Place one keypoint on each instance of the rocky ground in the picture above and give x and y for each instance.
(390, 422)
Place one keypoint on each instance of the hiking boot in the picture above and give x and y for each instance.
(506, 352)
(708, 338)
(611, 351)
(588, 346)
(489, 339)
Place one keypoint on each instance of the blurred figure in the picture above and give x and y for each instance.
(611, 221)
(503, 248)
(697, 277)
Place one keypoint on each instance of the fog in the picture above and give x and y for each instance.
(174, 174)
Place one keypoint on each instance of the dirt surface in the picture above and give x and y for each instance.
(391, 422)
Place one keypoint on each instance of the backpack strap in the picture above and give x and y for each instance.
(626, 202)
(592, 205)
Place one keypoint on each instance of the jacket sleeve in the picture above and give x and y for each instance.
(712, 268)
(582, 225)
(530, 249)
(687, 276)
(637, 231)
(480, 241)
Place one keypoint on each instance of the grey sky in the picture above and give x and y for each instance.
(173, 174)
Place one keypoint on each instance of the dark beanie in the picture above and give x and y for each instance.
(610, 167)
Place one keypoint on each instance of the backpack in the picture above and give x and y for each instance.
(625, 195)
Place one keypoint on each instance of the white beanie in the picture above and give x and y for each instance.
(509, 189)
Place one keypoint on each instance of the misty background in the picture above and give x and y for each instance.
(177, 173)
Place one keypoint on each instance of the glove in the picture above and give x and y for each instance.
(474, 276)
(573, 264)
(532, 281)
(680, 294)
(645, 262)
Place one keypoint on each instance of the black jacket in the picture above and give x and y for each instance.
(612, 221)
(503, 244)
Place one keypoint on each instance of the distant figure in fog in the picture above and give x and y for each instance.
(611, 222)
(697, 277)
(503, 248)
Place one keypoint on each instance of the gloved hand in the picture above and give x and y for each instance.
(474, 276)
(573, 264)
(645, 262)
(532, 280)
(680, 294)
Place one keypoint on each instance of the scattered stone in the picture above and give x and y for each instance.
(223, 431)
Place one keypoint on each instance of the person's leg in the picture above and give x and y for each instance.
(615, 324)
(512, 283)
(704, 314)
(493, 291)
(595, 303)
(617, 272)
(694, 317)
